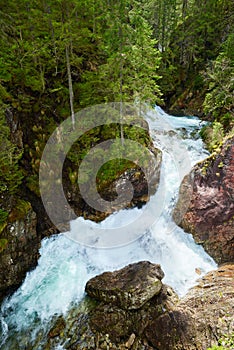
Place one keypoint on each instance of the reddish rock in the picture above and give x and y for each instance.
(206, 203)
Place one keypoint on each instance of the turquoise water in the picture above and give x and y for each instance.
(65, 265)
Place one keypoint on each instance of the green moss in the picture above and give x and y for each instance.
(33, 184)
(3, 216)
(118, 162)
(19, 211)
(226, 342)
(3, 244)
(11, 174)
(213, 135)
(3, 219)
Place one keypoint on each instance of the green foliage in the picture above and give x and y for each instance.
(212, 136)
(21, 208)
(11, 175)
(33, 184)
(111, 169)
(225, 343)
(3, 244)
(130, 66)
(220, 75)
(3, 219)
(197, 33)
(162, 16)
(3, 215)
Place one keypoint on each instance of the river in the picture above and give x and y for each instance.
(65, 265)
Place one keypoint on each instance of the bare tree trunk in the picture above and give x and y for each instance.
(121, 103)
(71, 94)
(182, 49)
(121, 86)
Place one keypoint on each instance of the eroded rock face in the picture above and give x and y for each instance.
(129, 288)
(98, 325)
(20, 253)
(206, 204)
(200, 318)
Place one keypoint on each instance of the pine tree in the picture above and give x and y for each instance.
(131, 60)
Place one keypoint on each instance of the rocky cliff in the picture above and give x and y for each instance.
(206, 203)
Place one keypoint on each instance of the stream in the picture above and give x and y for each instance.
(65, 266)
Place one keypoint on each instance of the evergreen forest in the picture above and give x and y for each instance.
(58, 57)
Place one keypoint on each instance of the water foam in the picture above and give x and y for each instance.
(65, 266)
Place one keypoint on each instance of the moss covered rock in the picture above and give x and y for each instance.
(20, 250)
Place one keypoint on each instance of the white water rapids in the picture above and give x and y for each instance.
(65, 266)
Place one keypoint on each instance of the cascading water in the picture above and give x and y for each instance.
(65, 265)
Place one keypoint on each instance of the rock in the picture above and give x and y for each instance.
(200, 318)
(112, 320)
(129, 288)
(130, 341)
(57, 328)
(164, 322)
(21, 252)
(129, 185)
(120, 324)
(206, 204)
(95, 325)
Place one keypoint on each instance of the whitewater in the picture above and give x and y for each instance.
(65, 265)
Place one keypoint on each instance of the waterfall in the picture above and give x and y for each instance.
(65, 266)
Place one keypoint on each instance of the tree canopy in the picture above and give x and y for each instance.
(60, 56)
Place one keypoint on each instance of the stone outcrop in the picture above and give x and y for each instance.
(202, 317)
(129, 288)
(206, 203)
(20, 253)
(143, 185)
(195, 322)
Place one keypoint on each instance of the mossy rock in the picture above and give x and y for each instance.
(21, 208)
(3, 244)
(3, 219)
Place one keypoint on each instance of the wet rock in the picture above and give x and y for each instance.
(129, 288)
(94, 325)
(112, 320)
(57, 328)
(21, 251)
(206, 203)
(195, 322)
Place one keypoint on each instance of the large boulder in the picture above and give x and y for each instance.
(129, 288)
(206, 203)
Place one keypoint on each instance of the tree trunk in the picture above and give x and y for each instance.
(71, 94)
